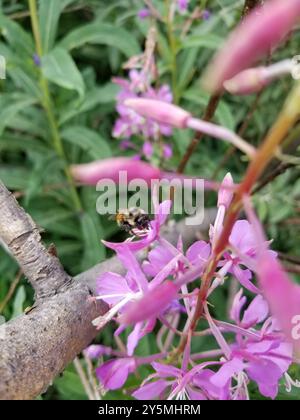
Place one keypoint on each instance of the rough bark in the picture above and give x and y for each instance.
(21, 235)
(35, 347)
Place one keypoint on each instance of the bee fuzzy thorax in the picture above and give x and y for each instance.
(133, 220)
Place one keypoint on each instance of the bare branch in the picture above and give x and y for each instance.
(21, 235)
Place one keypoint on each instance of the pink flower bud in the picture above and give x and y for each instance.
(91, 173)
(254, 79)
(159, 111)
(263, 29)
(151, 305)
(246, 82)
(226, 191)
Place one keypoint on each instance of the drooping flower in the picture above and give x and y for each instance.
(173, 115)
(172, 383)
(263, 29)
(92, 173)
(129, 122)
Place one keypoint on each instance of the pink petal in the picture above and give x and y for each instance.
(263, 29)
(237, 305)
(225, 373)
(151, 391)
(113, 374)
(256, 312)
(133, 338)
(198, 253)
(151, 305)
(112, 284)
(166, 371)
(244, 276)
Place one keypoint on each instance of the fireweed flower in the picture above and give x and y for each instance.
(263, 29)
(91, 173)
(244, 253)
(261, 355)
(129, 122)
(172, 115)
(181, 384)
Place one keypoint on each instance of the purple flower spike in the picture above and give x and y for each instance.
(131, 123)
(36, 60)
(182, 5)
(206, 14)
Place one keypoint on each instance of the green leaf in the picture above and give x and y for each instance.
(94, 251)
(58, 67)
(16, 36)
(88, 140)
(19, 301)
(10, 105)
(100, 95)
(70, 387)
(49, 14)
(211, 41)
(15, 178)
(102, 33)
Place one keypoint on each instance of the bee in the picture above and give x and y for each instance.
(133, 220)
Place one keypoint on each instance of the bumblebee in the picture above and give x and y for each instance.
(133, 220)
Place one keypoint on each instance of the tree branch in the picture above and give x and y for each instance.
(35, 347)
(22, 237)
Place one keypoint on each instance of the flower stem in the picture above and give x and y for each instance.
(48, 107)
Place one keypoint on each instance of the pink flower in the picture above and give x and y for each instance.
(174, 383)
(144, 13)
(263, 29)
(173, 115)
(164, 113)
(160, 256)
(130, 123)
(92, 173)
(182, 5)
(114, 373)
(263, 356)
(245, 253)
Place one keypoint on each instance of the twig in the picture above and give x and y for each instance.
(209, 113)
(83, 379)
(11, 291)
(91, 377)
